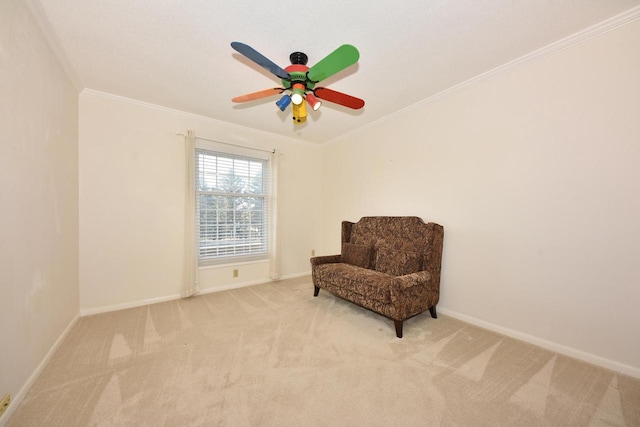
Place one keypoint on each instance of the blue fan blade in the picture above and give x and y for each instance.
(260, 59)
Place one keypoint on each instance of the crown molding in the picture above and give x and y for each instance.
(535, 56)
(188, 115)
(539, 54)
(42, 20)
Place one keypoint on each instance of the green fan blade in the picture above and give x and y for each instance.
(336, 61)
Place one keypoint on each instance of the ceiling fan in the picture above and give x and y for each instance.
(299, 81)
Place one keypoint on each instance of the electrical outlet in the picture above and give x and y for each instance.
(4, 403)
(313, 252)
(235, 272)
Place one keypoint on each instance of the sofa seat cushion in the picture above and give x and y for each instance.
(368, 283)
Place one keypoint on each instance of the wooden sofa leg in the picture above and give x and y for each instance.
(398, 324)
(316, 290)
(432, 310)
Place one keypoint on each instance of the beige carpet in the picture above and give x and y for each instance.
(272, 355)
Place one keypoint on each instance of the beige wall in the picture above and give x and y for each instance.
(535, 176)
(132, 202)
(39, 298)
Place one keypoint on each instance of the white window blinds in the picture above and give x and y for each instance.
(232, 193)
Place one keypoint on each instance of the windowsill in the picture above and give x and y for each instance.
(231, 264)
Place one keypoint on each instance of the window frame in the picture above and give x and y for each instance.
(237, 256)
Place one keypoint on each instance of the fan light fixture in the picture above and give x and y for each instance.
(283, 102)
(300, 112)
(314, 102)
(297, 93)
(300, 80)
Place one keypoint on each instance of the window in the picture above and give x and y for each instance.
(231, 207)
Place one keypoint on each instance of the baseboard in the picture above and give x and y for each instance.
(549, 345)
(294, 276)
(139, 303)
(250, 283)
(123, 306)
(15, 400)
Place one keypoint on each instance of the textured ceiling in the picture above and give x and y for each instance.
(177, 54)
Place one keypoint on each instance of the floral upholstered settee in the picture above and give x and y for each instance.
(390, 265)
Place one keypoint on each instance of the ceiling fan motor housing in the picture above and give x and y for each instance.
(298, 76)
(298, 58)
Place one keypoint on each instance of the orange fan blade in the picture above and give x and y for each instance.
(257, 95)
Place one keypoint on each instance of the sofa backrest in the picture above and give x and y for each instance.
(396, 242)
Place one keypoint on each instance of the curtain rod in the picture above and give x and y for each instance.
(272, 151)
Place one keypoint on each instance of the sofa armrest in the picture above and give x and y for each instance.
(319, 260)
(410, 280)
(413, 293)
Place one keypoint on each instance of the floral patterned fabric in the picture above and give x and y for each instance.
(363, 281)
(403, 281)
(359, 255)
(397, 263)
